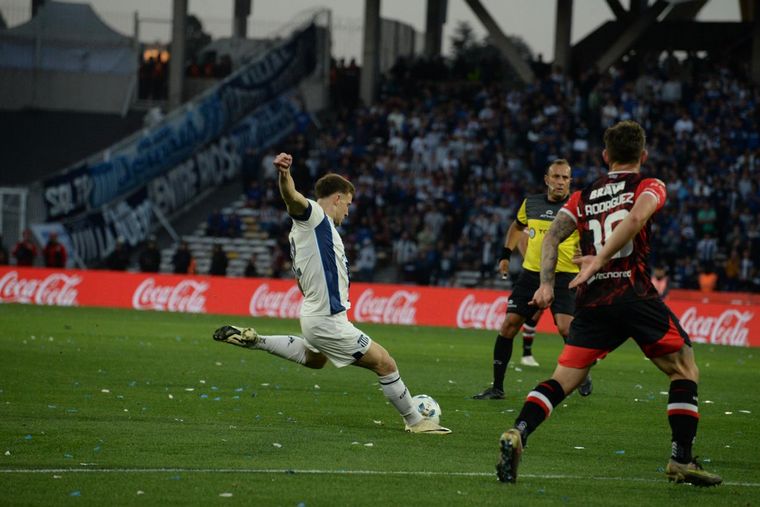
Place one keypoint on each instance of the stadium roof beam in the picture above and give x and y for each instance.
(751, 12)
(630, 35)
(747, 8)
(686, 10)
(434, 20)
(240, 18)
(177, 60)
(502, 42)
(562, 33)
(617, 9)
(370, 52)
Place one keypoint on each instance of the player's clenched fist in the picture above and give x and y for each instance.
(283, 161)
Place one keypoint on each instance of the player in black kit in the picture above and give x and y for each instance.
(615, 300)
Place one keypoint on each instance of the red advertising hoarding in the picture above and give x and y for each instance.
(723, 319)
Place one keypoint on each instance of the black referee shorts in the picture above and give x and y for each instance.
(527, 285)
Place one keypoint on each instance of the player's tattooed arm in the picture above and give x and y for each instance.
(561, 229)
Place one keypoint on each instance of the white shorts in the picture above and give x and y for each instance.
(335, 337)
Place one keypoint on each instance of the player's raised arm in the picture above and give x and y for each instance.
(294, 200)
(643, 209)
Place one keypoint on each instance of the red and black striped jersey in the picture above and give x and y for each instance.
(597, 209)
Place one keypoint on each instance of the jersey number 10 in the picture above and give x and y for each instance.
(602, 233)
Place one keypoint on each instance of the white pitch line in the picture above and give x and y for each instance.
(325, 472)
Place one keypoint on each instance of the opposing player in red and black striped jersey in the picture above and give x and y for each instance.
(615, 301)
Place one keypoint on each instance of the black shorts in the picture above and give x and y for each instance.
(527, 285)
(596, 331)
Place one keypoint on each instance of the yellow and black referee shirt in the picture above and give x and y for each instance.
(537, 213)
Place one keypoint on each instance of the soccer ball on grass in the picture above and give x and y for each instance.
(427, 407)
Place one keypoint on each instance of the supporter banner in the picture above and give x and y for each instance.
(220, 161)
(134, 163)
(94, 235)
(711, 322)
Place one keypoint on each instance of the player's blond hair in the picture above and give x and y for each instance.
(328, 184)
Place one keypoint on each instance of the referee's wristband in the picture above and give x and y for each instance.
(506, 254)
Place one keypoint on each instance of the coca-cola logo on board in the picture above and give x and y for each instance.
(57, 289)
(185, 296)
(272, 303)
(728, 328)
(398, 308)
(481, 315)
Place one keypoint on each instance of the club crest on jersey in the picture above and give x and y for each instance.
(608, 189)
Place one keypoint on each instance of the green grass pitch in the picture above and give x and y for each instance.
(118, 407)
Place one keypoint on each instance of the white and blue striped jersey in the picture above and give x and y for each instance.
(319, 263)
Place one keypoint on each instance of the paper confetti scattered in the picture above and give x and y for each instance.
(225, 495)
(277, 445)
(369, 444)
(728, 413)
(709, 401)
(377, 422)
(189, 389)
(57, 476)
(7, 453)
(171, 397)
(75, 493)
(218, 363)
(105, 391)
(579, 447)
(745, 411)
(140, 492)
(316, 386)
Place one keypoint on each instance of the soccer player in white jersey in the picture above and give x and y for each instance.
(321, 270)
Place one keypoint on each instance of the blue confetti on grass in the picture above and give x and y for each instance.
(218, 398)
(204, 396)
(68, 456)
(75, 493)
(621, 451)
(27, 437)
(239, 390)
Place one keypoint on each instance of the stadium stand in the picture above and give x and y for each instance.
(440, 171)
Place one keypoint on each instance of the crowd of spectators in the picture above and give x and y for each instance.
(440, 168)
